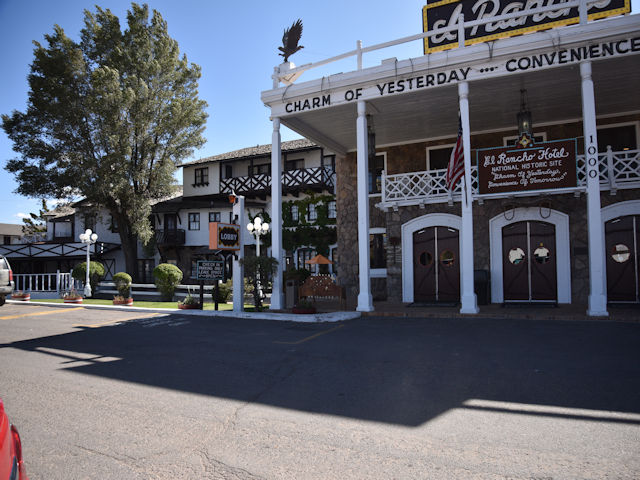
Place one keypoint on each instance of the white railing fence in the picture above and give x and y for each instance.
(43, 282)
(459, 26)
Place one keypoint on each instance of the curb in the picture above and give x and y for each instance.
(277, 316)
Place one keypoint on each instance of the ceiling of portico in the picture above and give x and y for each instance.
(554, 95)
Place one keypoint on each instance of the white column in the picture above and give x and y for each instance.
(468, 300)
(597, 272)
(277, 300)
(365, 301)
(238, 270)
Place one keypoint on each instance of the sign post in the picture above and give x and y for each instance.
(210, 270)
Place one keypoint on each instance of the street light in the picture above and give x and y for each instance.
(89, 238)
(258, 228)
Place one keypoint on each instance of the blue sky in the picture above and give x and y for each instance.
(235, 43)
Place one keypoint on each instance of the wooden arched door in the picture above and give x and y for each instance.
(621, 237)
(529, 262)
(436, 265)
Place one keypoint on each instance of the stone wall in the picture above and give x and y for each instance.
(412, 157)
(347, 224)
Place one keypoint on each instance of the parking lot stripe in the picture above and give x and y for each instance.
(111, 322)
(42, 312)
(311, 337)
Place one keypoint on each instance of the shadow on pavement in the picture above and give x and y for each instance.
(404, 371)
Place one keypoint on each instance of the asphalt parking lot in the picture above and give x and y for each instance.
(113, 394)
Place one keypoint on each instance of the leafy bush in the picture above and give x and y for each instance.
(123, 284)
(224, 291)
(190, 300)
(167, 277)
(299, 275)
(96, 273)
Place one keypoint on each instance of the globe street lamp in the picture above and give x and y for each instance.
(258, 228)
(89, 238)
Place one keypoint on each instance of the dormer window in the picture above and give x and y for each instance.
(201, 177)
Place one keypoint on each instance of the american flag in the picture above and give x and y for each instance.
(455, 169)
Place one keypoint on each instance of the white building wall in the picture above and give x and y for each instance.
(201, 236)
(188, 180)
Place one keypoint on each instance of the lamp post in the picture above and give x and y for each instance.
(258, 228)
(89, 238)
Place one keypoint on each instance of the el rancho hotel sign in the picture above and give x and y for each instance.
(445, 13)
(527, 166)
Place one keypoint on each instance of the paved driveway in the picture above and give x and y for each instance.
(120, 395)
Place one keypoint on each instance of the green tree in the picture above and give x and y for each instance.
(36, 223)
(108, 118)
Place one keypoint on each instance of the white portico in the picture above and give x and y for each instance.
(583, 74)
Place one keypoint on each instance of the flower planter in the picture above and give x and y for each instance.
(72, 300)
(21, 298)
(303, 310)
(183, 306)
(125, 301)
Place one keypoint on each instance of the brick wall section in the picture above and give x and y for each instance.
(411, 158)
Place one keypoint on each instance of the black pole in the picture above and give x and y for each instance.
(217, 289)
(201, 294)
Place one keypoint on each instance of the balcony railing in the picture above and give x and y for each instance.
(292, 180)
(618, 171)
(54, 249)
(170, 237)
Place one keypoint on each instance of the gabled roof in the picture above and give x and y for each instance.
(60, 212)
(257, 151)
(10, 229)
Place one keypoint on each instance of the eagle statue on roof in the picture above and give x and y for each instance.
(290, 40)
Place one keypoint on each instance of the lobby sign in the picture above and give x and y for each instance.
(444, 13)
(224, 236)
(541, 166)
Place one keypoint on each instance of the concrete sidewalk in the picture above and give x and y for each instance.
(617, 313)
(266, 315)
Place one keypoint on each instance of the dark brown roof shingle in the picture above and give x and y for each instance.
(257, 151)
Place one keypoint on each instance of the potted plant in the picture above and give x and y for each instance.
(120, 300)
(303, 307)
(21, 296)
(189, 303)
(122, 282)
(72, 296)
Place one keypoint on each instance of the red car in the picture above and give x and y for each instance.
(11, 463)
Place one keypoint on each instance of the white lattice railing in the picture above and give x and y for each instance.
(618, 170)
